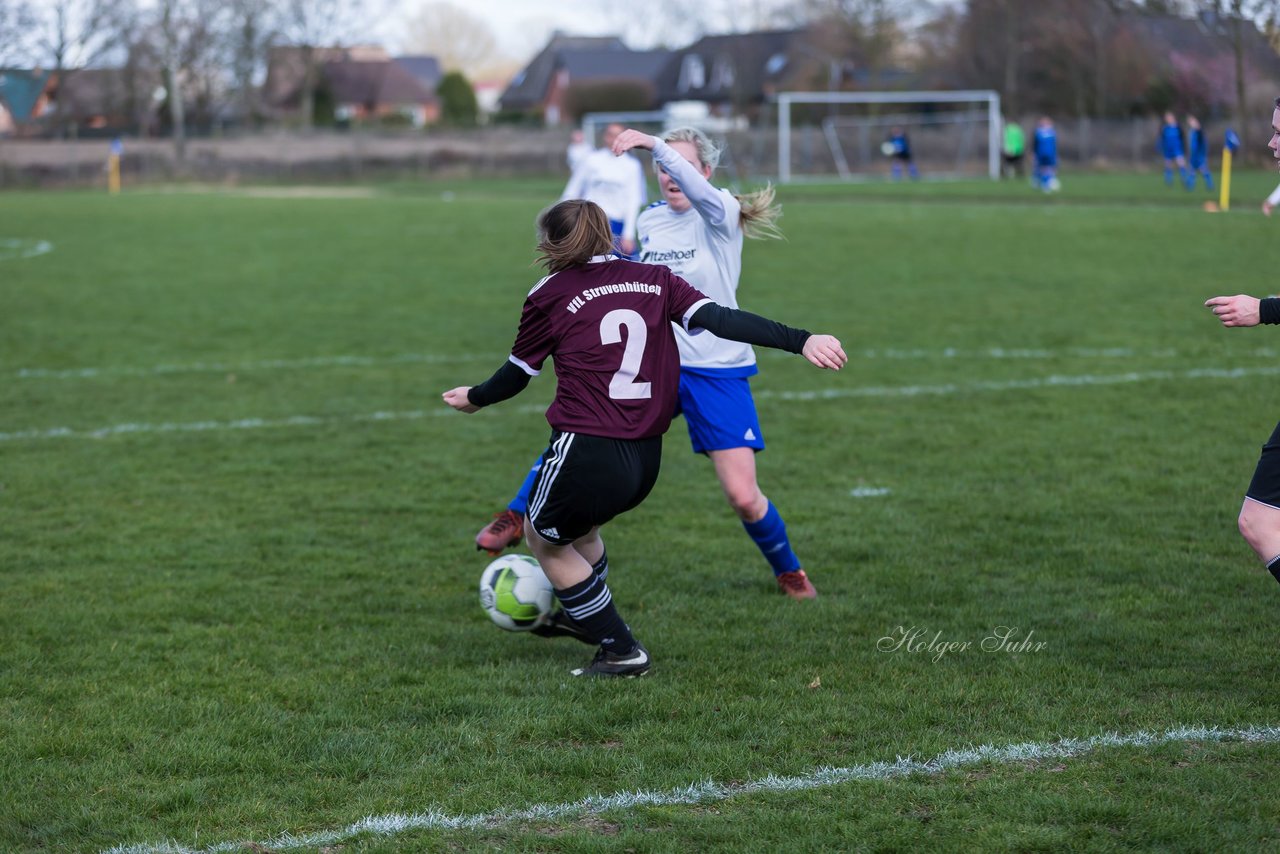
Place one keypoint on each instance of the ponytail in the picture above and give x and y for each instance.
(759, 213)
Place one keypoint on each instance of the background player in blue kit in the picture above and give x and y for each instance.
(1197, 154)
(900, 145)
(1045, 146)
(697, 231)
(1172, 151)
(608, 326)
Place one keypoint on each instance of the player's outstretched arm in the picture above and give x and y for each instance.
(506, 383)
(737, 325)
(1239, 310)
(457, 398)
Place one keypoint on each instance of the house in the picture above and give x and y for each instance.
(24, 97)
(365, 91)
(425, 69)
(567, 64)
(105, 100)
(735, 73)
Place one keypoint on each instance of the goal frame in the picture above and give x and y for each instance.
(968, 96)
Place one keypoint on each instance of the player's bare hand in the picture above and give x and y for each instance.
(1239, 310)
(825, 351)
(457, 398)
(1267, 208)
(627, 245)
(630, 139)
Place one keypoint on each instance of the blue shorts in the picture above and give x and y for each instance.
(720, 412)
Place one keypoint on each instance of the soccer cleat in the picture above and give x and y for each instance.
(506, 529)
(561, 625)
(634, 663)
(796, 585)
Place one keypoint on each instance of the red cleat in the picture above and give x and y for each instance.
(506, 529)
(796, 585)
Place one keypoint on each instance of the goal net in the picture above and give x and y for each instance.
(849, 135)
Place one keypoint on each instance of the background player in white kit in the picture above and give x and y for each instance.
(614, 183)
(697, 231)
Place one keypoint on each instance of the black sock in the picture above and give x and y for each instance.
(601, 567)
(1274, 566)
(590, 605)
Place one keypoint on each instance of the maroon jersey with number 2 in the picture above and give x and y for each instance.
(607, 325)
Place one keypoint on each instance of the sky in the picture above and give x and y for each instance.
(522, 27)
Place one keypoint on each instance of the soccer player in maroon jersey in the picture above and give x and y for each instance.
(1259, 519)
(607, 323)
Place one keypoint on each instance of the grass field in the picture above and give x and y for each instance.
(237, 581)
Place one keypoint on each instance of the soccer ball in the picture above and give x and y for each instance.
(515, 593)
(888, 149)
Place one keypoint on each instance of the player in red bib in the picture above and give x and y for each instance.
(607, 324)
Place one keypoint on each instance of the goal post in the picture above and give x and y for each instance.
(984, 109)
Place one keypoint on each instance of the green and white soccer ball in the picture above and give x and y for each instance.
(515, 593)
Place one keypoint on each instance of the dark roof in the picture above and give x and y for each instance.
(20, 89)
(425, 68)
(374, 83)
(1207, 36)
(528, 88)
(736, 66)
(596, 64)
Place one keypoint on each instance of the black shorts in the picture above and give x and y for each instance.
(1265, 486)
(587, 480)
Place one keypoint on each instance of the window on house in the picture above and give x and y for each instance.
(693, 74)
(722, 74)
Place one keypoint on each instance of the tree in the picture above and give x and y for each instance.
(16, 20)
(458, 39)
(249, 34)
(457, 100)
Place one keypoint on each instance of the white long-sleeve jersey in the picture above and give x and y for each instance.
(616, 184)
(703, 246)
(1274, 198)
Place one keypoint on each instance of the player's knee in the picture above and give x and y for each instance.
(1249, 529)
(748, 502)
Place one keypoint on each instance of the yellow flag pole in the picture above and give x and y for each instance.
(1224, 196)
(113, 174)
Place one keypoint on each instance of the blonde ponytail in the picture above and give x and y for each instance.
(759, 213)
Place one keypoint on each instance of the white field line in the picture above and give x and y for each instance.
(14, 248)
(891, 354)
(1050, 382)
(710, 791)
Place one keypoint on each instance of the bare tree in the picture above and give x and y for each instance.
(249, 33)
(187, 33)
(460, 40)
(313, 24)
(16, 20)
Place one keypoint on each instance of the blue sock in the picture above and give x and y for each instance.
(1208, 180)
(770, 536)
(1168, 176)
(520, 504)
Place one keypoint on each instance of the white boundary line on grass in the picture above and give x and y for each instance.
(15, 248)
(1050, 382)
(941, 354)
(710, 791)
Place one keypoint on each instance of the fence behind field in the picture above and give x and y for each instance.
(752, 154)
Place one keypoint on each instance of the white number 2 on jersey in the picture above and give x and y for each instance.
(623, 386)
